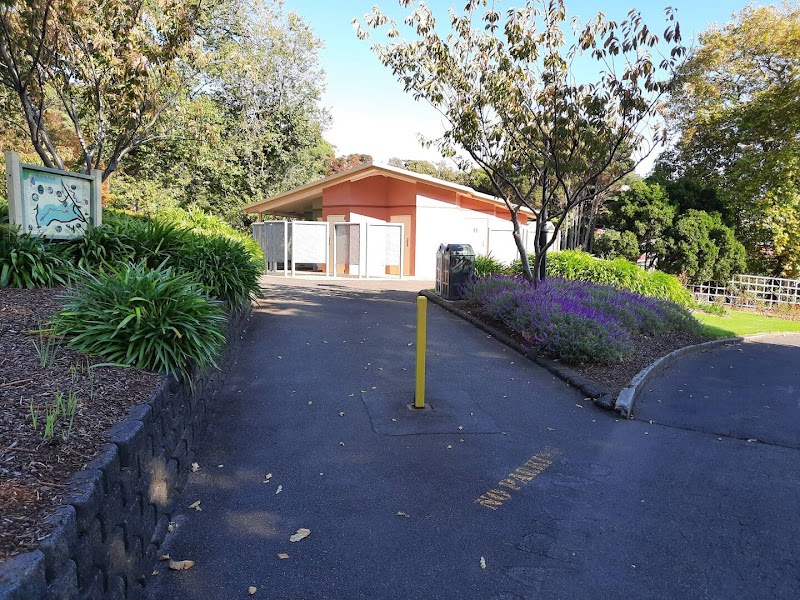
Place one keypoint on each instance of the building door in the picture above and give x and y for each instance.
(407, 247)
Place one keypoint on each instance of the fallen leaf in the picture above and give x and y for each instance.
(155, 573)
(196, 506)
(351, 395)
(164, 557)
(310, 403)
(252, 590)
(279, 490)
(195, 467)
(341, 443)
(550, 429)
(752, 440)
(220, 466)
(460, 427)
(483, 563)
(283, 555)
(172, 526)
(402, 514)
(301, 534)
(181, 565)
(579, 405)
(394, 420)
(341, 413)
(267, 477)
(449, 446)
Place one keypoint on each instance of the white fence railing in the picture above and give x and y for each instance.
(749, 291)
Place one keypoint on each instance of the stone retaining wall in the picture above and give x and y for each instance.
(117, 510)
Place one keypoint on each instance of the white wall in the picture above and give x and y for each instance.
(444, 223)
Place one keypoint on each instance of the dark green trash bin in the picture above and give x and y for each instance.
(458, 266)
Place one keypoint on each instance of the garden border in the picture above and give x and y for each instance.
(117, 510)
(599, 395)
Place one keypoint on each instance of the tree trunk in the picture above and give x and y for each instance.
(523, 253)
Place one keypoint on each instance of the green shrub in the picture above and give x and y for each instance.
(486, 264)
(615, 244)
(208, 224)
(100, 247)
(223, 266)
(574, 264)
(29, 262)
(147, 318)
(3, 210)
(153, 242)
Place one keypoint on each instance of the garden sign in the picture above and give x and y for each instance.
(52, 203)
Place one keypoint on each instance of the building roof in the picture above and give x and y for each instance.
(306, 193)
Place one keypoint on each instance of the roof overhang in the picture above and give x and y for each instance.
(302, 199)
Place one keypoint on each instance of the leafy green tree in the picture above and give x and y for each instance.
(735, 107)
(111, 69)
(508, 93)
(615, 244)
(253, 129)
(644, 210)
(702, 248)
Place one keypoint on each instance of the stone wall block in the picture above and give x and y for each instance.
(23, 577)
(129, 436)
(59, 546)
(85, 496)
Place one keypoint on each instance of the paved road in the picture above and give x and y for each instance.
(559, 498)
(748, 390)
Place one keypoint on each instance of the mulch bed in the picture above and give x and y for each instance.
(34, 472)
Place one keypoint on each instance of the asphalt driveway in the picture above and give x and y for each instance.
(511, 486)
(748, 390)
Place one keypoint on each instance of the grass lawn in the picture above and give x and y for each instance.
(737, 323)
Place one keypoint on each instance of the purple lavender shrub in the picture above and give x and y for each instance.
(575, 320)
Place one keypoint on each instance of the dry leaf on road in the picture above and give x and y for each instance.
(283, 555)
(164, 557)
(181, 565)
(252, 590)
(196, 506)
(195, 467)
(483, 563)
(402, 514)
(301, 534)
(279, 490)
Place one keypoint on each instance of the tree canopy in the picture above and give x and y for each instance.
(506, 87)
(735, 110)
(211, 104)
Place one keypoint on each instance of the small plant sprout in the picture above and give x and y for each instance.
(51, 416)
(71, 409)
(34, 413)
(47, 346)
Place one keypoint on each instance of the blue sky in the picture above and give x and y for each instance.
(370, 112)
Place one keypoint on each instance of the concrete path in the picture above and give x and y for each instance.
(540, 495)
(748, 390)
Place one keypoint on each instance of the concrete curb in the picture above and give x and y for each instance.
(599, 395)
(627, 397)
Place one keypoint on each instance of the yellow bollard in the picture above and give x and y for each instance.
(422, 322)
